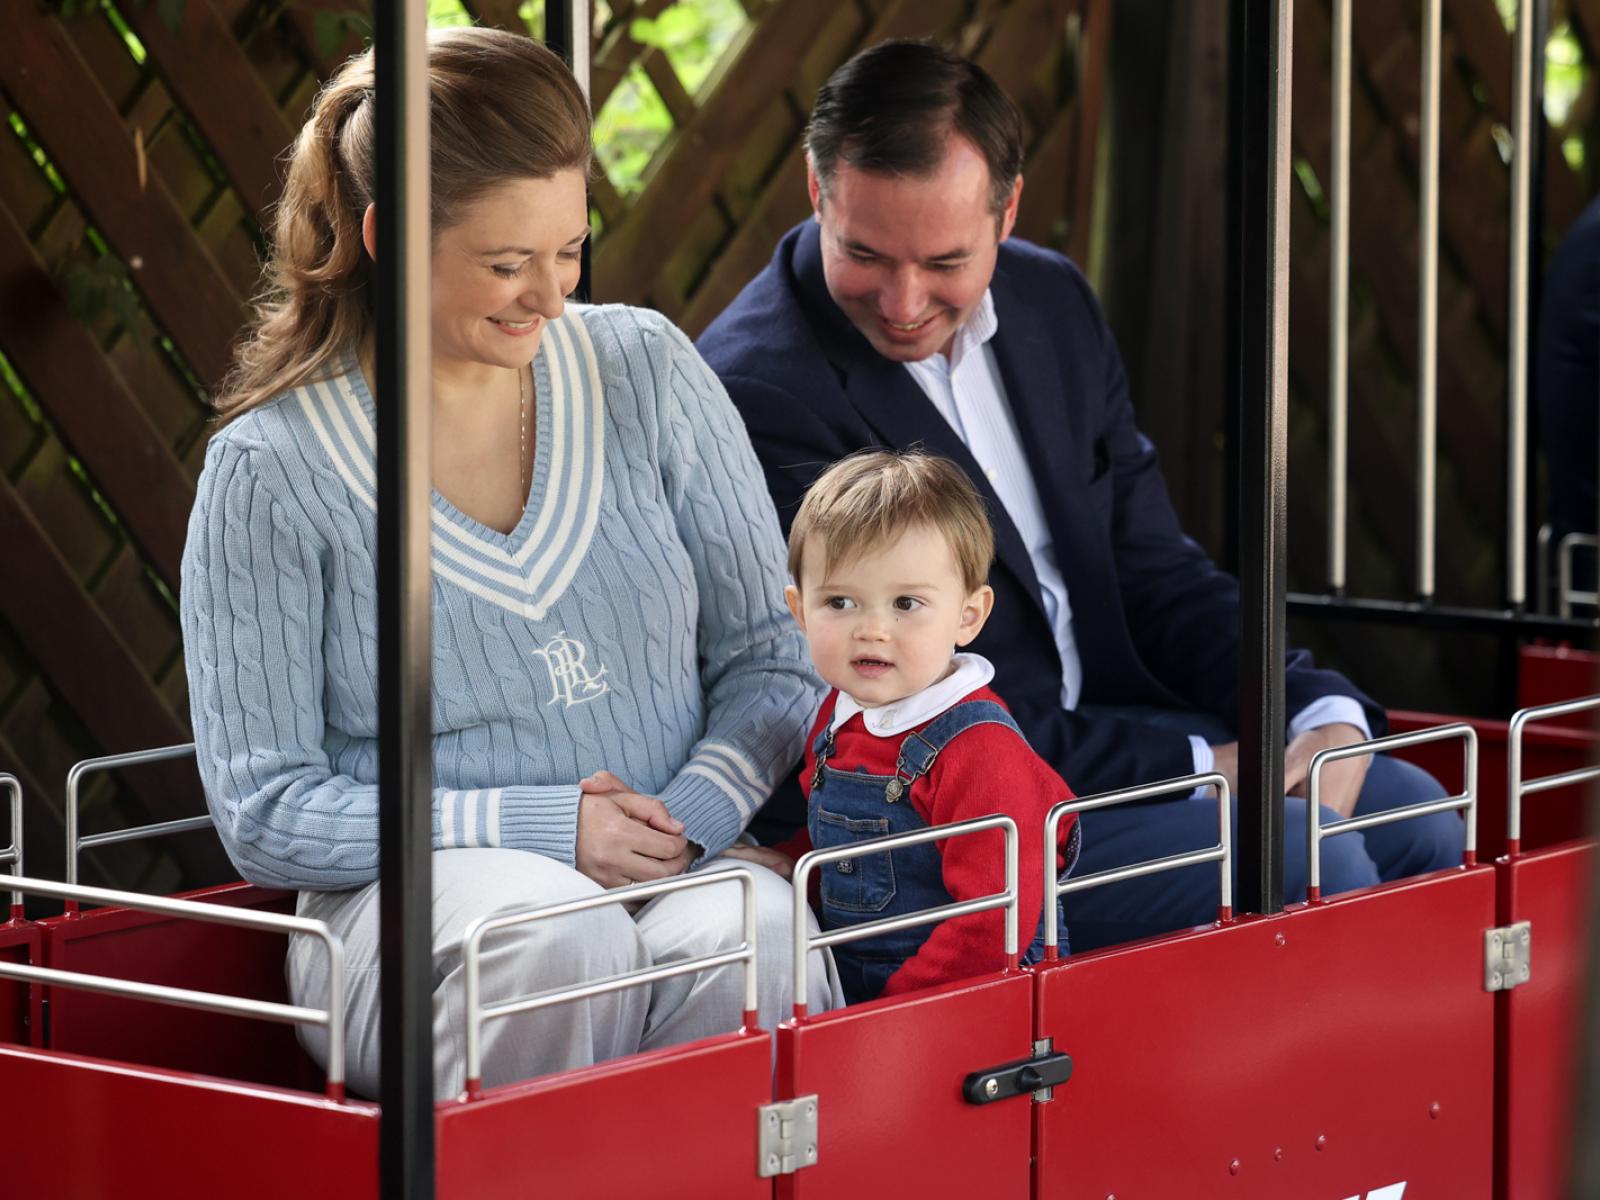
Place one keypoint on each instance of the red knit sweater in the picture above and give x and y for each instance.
(987, 769)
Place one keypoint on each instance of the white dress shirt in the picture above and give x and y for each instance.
(967, 390)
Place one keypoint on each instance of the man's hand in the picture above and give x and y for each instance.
(625, 837)
(1341, 781)
(774, 860)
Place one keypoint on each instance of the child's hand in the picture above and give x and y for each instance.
(775, 861)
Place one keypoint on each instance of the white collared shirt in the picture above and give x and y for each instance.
(967, 390)
(972, 671)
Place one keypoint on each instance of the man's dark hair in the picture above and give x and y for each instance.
(890, 110)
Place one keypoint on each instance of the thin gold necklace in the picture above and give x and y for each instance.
(522, 431)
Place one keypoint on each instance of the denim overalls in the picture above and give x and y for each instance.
(853, 806)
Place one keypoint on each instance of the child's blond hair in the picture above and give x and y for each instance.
(866, 501)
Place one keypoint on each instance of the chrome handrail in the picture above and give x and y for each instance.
(330, 1018)
(1567, 594)
(13, 853)
(1221, 853)
(472, 950)
(804, 943)
(1468, 799)
(1517, 787)
(133, 758)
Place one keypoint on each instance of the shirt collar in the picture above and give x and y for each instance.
(977, 329)
(972, 672)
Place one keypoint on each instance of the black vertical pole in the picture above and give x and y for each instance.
(405, 766)
(1258, 152)
(567, 31)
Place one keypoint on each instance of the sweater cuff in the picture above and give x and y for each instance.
(543, 820)
(711, 817)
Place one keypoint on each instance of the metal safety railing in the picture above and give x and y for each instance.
(472, 958)
(12, 854)
(1516, 786)
(76, 843)
(1317, 832)
(1520, 220)
(1221, 853)
(805, 942)
(330, 1018)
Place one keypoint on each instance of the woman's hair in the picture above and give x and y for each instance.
(865, 502)
(502, 107)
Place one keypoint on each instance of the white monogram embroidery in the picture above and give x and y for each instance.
(570, 680)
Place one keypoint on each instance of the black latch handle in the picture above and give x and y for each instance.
(1020, 1078)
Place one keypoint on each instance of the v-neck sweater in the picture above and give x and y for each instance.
(631, 621)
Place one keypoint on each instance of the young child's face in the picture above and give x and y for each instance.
(884, 625)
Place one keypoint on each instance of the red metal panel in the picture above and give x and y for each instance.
(20, 1012)
(668, 1124)
(158, 949)
(892, 1121)
(1538, 1021)
(76, 1127)
(1546, 750)
(1318, 1054)
(1551, 674)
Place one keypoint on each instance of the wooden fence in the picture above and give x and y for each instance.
(134, 177)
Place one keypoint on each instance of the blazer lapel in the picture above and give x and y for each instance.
(1051, 425)
(890, 401)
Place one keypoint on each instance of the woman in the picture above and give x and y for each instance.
(616, 686)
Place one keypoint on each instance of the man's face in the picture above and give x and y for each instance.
(908, 260)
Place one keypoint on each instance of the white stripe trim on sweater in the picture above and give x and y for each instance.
(447, 819)
(568, 511)
(576, 546)
(743, 766)
(744, 802)
(491, 817)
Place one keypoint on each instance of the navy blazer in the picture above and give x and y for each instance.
(1156, 622)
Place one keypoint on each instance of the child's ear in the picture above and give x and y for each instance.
(791, 597)
(974, 613)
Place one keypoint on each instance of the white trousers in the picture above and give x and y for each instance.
(543, 954)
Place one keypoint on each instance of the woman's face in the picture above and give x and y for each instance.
(505, 268)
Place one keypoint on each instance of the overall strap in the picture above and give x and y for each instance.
(919, 749)
(821, 751)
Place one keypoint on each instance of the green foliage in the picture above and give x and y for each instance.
(692, 34)
(92, 288)
(630, 129)
(330, 27)
(634, 122)
(168, 12)
(445, 13)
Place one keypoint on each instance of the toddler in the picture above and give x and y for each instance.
(890, 554)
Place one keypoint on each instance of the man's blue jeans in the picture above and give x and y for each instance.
(1131, 833)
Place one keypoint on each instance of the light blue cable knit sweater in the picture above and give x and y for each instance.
(632, 621)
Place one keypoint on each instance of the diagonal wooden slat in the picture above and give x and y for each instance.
(89, 666)
(680, 105)
(209, 74)
(302, 16)
(502, 14)
(91, 407)
(631, 255)
(81, 131)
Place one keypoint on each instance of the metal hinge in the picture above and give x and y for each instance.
(1506, 956)
(786, 1138)
(1037, 1076)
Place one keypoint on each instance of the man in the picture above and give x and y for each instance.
(902, 316)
